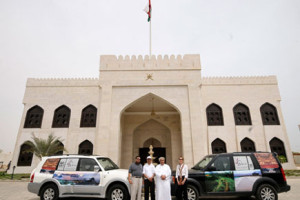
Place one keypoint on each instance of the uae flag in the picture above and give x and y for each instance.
(148, 10)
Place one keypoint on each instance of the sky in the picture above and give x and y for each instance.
(65, 38)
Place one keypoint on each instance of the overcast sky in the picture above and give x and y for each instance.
(65, 38)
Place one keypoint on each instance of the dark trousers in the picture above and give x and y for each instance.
(147, 185)
(181, 189)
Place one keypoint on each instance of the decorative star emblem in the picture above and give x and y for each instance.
(149, 77)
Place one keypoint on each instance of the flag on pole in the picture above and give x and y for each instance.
(148, 10)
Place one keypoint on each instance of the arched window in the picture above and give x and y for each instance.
(218, 146)
(88, 116)
(277, 146)
(85, 148)
(25, 157)
(214, 115)
(241, 114)
(60, 152)
(61, 117)
(34, 117)
(247, 145)
(269, 114)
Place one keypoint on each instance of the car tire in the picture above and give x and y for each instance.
(266, 192)
(192, 192)
(49, 192)
(117, 192)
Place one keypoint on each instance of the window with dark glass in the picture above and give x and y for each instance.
(25, 157)
(247, 145)
(87, 164)
(222, 163)
(86, 148)
(218, 146)
(269, 114)
(214, 115)
(241, 115)
(61, 117)
(88, 116)
(34, 117)
(277, 146)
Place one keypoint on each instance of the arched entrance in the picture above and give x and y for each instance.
(150, 120)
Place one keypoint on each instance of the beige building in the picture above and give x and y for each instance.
(161, 101)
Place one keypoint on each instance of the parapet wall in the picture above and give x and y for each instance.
(62, 82)
(240, 80)
(187, 62)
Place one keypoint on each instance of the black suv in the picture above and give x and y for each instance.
(237, 174)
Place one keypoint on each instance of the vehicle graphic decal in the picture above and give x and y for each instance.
(50, 165)
(244, 180)
(219, 181)
(77, 178)
(267, 162)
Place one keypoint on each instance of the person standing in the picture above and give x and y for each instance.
(163, 180)
(181, 177)
(135, 174)
(149, 173)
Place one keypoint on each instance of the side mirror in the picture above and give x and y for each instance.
(97, 168)
(211, 168)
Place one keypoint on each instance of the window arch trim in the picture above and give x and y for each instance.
(61, 117)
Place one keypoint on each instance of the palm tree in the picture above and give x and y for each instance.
(45, 147)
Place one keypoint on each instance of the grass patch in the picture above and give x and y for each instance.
(5, 176)
(292, 172)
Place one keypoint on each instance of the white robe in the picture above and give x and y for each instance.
(163, 187)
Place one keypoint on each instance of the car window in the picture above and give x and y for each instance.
(69, 164)
(107, 164)
(222, 163)
(203, 163)
(243, 163)
(86, 164)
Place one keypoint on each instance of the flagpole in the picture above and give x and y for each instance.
(150, 46)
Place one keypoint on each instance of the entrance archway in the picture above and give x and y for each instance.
(150, 120)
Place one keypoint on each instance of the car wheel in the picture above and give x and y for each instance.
(192, 192)
(49, 192)
(117, 192)
(266, 192)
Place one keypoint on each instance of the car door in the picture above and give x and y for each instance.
(65, 175)
(88, 179)
(219, 178)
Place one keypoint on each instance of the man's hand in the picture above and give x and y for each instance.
(150, 179)
(163, 177)
(130, 181)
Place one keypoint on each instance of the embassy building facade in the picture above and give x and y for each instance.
(158, 101)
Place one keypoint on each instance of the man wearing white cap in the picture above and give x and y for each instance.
(149, 173)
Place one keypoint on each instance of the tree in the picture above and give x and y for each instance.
(45, 147)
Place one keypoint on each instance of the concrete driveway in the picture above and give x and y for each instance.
(16, 190)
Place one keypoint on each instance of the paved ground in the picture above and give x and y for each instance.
(18, 191)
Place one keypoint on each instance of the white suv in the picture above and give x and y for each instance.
(79, 176)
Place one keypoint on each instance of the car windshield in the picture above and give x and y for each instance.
(203, 163)
(107, 164)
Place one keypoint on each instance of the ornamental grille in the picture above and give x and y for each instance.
(277, 146)
(218, 146)
(269, 114)
(25, 157)
(85, 148)
(241, 115)
(247, 145)
(88, 116)
(61, 117)
(34, 117)
(214, 115)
